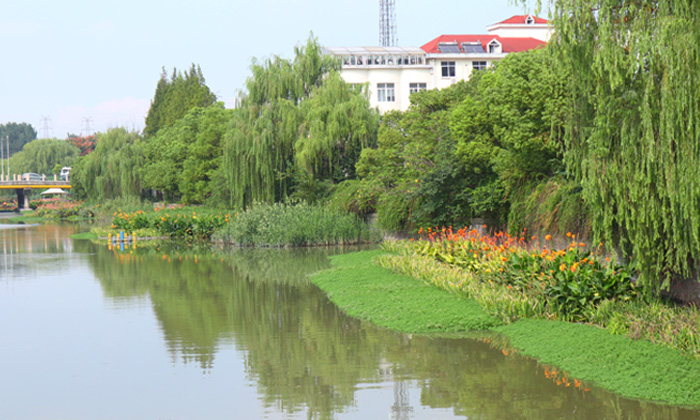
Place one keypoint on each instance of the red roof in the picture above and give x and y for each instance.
(520, 20)
(508, 45)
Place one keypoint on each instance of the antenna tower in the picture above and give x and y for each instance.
(387, 23)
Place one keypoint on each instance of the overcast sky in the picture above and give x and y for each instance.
(77, 61)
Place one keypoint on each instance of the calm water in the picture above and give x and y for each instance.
(187, 332)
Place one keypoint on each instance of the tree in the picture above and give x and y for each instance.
(112, 170)
(19, 134)
(181, 160)
(508, 132)
(175, 96)
(338, 124)
(260, 145)
(86, 144)
(41, 156)
(421, 179)
(634, 127)
(199, 178)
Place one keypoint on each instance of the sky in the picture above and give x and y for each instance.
(82, 66)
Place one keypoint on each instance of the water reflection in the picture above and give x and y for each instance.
(29, 249)
(306, 356)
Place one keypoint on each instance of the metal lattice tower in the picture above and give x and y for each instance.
(387, 24)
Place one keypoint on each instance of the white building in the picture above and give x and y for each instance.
(393, 73)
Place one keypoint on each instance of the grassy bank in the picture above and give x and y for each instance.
(636, 369)
(397, 302)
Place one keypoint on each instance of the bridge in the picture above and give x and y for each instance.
(22, 187)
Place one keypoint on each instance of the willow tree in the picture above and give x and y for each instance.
(634, 132)
(112, 170)
(338, 124)
(259, 144)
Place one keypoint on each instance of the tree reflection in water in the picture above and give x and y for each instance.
(305, 354)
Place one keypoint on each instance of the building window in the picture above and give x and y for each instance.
(385, 92)
(479, 65)
(530, 20)
(494, 47)
(417, 87)
(448, 69)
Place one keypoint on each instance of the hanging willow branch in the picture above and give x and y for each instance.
(634, 134)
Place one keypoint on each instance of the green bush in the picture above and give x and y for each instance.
(354, 196)
(288, 224)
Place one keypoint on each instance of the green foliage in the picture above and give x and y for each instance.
(300, 128)
(338, 124)
(19, 135)
(554, 206)
(286, 224)
(112, 170)
(353, 196)
(181, 160)
(175, 96)
(41, 156)
(633, 129)
(415, 164)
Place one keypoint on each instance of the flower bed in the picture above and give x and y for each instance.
(515, 277)
(181, 222)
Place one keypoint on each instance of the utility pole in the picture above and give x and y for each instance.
(2, 160)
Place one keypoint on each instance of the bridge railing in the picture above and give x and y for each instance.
(44, 177)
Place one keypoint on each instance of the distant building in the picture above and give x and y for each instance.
(393, 73)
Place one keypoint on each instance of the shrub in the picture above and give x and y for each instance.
(289, 224)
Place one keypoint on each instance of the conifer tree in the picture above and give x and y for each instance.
(175, 96)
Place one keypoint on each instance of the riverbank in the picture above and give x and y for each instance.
(631, 368)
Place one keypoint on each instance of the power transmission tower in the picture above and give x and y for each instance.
(387, 24)
(86, 126)
(45, 125)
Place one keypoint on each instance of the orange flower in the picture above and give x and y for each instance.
(548, 237)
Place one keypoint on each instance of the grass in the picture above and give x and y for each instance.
(631, 368)
(637, 369)
(397, 302)
(84, 235)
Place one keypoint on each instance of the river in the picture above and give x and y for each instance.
(183, 331)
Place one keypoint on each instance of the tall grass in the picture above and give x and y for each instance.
(288, 224)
